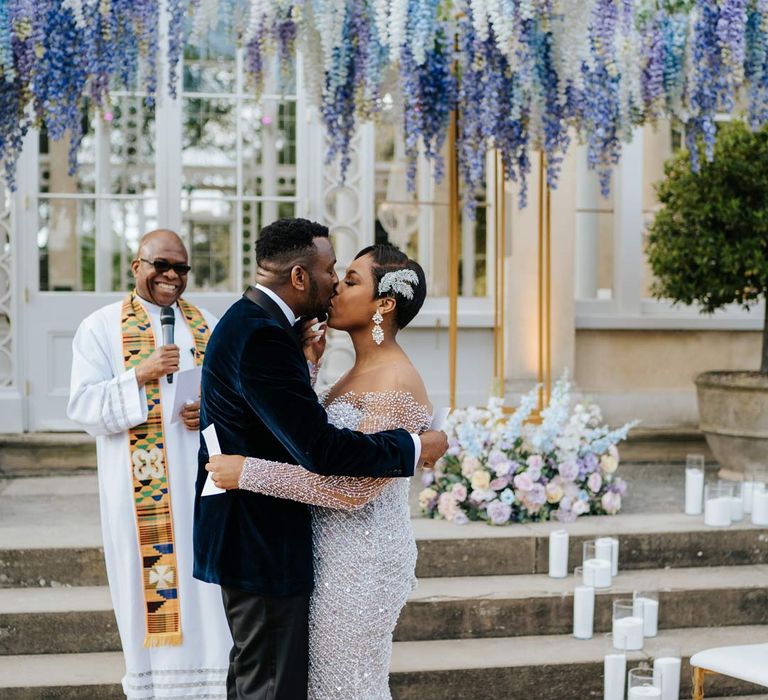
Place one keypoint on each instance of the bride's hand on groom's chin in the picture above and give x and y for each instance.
(313, 340)
(225, 470)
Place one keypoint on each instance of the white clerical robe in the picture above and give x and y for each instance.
(106, 401)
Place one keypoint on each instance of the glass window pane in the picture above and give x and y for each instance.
(209, 63)
(131, 135)
(208, 229)
(209, 143)
(594, 235)
(418, 222)
(268, 147)
(66, 244)
(53, 162)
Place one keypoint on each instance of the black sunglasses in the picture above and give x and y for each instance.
(163, 266)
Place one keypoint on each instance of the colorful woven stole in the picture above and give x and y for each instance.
(151, 488)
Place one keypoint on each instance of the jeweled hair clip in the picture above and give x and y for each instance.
(399, 282)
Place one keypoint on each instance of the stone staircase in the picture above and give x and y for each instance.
(485, 622)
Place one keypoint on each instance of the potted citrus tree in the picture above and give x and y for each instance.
(708, 245)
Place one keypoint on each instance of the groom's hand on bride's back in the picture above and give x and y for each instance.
(434, 444)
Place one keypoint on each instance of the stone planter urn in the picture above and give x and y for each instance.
(733, 415)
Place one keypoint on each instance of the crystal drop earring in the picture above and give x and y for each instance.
(377, 333)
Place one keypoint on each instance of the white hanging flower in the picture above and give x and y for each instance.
(381, 14)
(206, 17)
(259, 13)
(76, 6)
(398, 15)
(480, 18)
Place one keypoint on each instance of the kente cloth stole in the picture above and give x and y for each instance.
(151, 487)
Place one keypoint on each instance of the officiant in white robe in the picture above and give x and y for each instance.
(172, 627)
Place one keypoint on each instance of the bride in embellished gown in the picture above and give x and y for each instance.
(363, 546)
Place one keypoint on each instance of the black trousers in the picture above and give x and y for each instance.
(270, 656)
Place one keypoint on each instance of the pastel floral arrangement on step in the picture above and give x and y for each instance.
(504, 469)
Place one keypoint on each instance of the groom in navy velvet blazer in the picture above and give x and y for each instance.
(256, 390)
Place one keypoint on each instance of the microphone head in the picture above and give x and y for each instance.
(167, 316)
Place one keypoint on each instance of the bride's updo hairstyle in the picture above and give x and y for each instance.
(389, 258)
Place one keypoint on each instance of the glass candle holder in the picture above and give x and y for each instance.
(717, 503)
(666, 671)
(628, 624)
(597, 572)
(737, 501)
(694, 483)
(640, 685)
(646, 605)
(760, 498)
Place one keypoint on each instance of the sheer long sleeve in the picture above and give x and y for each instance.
(366, 413)
(295, 483)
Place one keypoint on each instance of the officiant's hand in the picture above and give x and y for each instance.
(190, 415)
(225, 470)
(313, 341)
(434, 444)
(163, 360)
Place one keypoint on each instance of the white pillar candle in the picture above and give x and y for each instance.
(597, 573)
(558, 554)
(746, 495)
(628, 633)
(615, 556)
(760, 508)
(614, 675)
(717, 511)
(642, 692)
(694, 491)
(583, 612)
(648, 609)
(737, 509)
(666, 675)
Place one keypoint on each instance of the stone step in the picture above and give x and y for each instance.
(74, 620)
(519, 668)
(544, 667)
(55, 553)
(38, 454)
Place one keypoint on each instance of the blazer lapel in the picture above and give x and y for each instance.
(273, 310)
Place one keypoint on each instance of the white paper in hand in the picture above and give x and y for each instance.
(187, 390)
(438, 418)
(212, 445)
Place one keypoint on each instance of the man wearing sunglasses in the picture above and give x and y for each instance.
(172, 628)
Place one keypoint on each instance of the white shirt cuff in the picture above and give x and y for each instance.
(417, 450)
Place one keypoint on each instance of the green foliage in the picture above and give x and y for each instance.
(709, 243)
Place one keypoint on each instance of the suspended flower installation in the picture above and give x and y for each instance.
(521, 75)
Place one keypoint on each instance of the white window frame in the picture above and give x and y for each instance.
(628, 310)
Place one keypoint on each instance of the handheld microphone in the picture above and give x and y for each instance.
(167, 321)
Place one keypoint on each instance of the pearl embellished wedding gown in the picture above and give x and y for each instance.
(363, 549)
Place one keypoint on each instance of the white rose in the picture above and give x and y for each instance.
(481, 479)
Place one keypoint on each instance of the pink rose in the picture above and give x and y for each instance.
(595, 482)
(499, 484)
(611, 503)
(535, 462)
(523, 482)
(459, 492)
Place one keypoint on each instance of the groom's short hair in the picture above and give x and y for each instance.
(288, 242)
